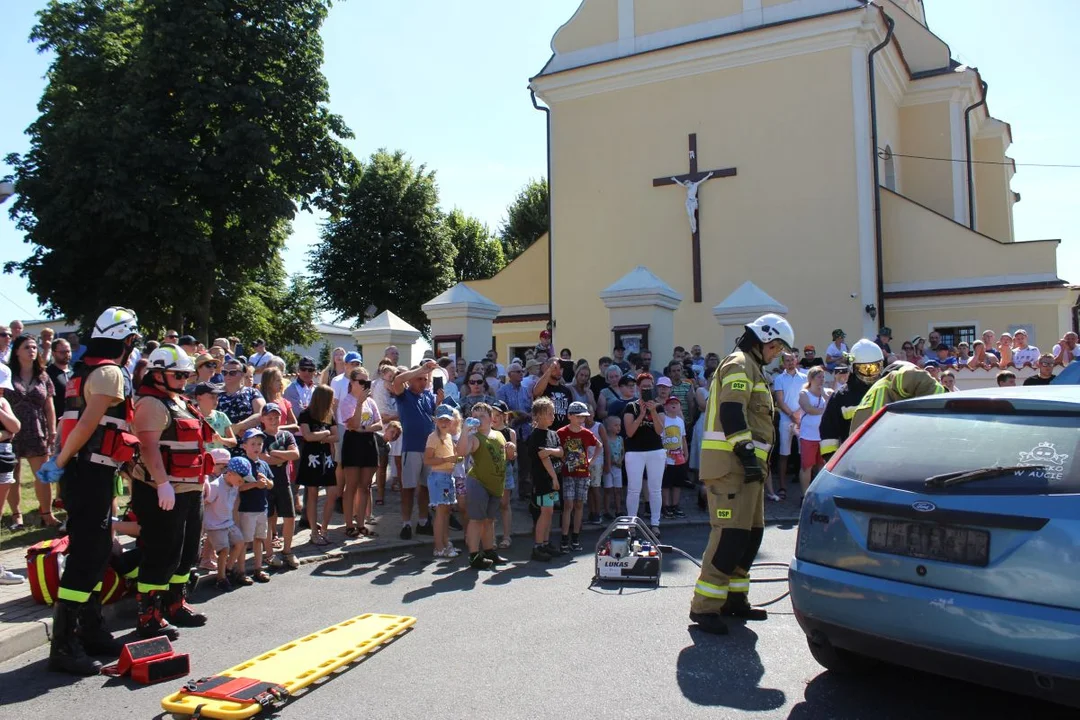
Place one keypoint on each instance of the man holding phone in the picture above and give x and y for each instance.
(549, 384)
(416, 401)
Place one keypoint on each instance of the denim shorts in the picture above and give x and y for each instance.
(441, 489)
(550, 499)
(511, 481)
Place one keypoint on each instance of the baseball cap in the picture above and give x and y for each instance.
(500, 406)
(578, 408)
(917, 339)
(187, 340)
(250, 433)
(444, 412)
(663, 382)
(258, 343)
(838, 333)
(841, 369)
(5, 377)
(930, 363)
(272, 408)
(515, 367)
(242, 467)
(671, 400)
(627, 379)
(810, 347)
(208, 388)
(885, 330)
(353, 357)
(307, 363)
(220, 455)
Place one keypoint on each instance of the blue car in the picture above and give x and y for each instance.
(944, 535)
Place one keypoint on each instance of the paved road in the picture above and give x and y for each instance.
(531, 641)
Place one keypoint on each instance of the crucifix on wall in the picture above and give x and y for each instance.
(691, 181)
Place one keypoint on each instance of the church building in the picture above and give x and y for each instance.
(711, 160)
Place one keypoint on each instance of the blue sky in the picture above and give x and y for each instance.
(446, 82)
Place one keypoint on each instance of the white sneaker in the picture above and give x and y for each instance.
(277, 562)
(9, 578)
(451, 551)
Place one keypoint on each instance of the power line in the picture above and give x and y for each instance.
(29, 314)
(882, 153)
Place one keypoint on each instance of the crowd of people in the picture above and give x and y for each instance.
(456, 438)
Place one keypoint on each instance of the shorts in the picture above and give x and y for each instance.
(282, 502)
(413, 470)
(339, 444)
(7, 478)
(253, 525)
(543, 500)
(384, 449)
(596, 475)
(810, 454)
(460, 487)
(675, 476)
(574, 489)
(441, 488)
(224, 538)
(360, 450)
(613, 479)
(480, 504)
(785, 437)
(511, 480)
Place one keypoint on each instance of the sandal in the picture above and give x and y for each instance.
(278, 544)
(773, 497)
(49, 515)
(365, 532)
(395, 486)
(16, 525)
(505, 543)
(782, 492)
(319, 540)
(352, 532)
(380, 502)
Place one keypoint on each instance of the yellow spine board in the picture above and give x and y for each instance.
(299, 663)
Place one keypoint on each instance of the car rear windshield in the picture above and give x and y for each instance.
(902, 450)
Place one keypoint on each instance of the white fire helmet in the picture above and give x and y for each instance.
(773, 327)
(867, 360)
(170, 357)
(116, 323)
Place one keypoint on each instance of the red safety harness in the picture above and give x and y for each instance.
(112, 444)
(183, 442)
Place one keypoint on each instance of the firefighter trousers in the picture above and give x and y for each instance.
(736, 526)
(86, 489)
(170, 538)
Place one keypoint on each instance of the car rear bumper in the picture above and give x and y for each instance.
(1023, 648)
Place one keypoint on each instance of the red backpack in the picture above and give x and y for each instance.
(45, 565)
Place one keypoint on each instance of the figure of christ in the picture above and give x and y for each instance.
(691, 198)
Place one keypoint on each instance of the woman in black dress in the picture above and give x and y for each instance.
(317, 467)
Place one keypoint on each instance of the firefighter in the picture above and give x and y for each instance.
(736, 439)
(867, 361)
(167, 495)
(902, 380)
(95, 442)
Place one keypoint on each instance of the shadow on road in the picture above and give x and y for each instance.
(725, 672)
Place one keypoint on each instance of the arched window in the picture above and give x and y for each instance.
(890, 169)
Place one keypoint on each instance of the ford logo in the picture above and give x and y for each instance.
(924, 506)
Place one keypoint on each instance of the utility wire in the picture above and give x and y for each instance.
(883, 154)
(28, 313)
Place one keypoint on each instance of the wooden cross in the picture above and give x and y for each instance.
(694, 178)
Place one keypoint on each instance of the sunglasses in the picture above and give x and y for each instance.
(366, 384)
(180, 374)
(5, 334)
(230, 373)
(172, 337)
(909, 347)
(476, 382)
(307, 369)
(211, 365)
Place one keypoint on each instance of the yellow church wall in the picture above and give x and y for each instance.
(888, 119)
(523, 282)
(921, 246)
(596, 23)
(794, 186)
(1007, 310)
(515, 335)
(925, 131)
(992, 191)
(656, 15)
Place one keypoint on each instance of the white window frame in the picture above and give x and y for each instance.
(930, 327)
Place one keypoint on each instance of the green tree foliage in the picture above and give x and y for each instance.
(386, 244)
(479, 255)
(526, 219)
(175, 142)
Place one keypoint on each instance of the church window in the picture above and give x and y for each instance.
(632, 337)
(953, 336)
(890, 169)
(447, 345)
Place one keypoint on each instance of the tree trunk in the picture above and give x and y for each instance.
(202, 329)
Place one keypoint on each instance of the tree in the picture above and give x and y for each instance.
(526, 219)
(479, 255)
(175, 140)
(385, 244)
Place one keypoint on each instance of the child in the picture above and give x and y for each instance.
(596, 468)
(219, 523)
(441, 455)
(317, 467)
(206, 397)
(392, 435)
(579, 447)
(675, 471)
(458, 473)
(544, 453)
(498, 422)
(279, 450)
(486, 483)
(254, 499)
(614, 450)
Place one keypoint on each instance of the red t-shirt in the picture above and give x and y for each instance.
(575, 451)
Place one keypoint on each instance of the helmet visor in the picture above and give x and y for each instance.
(868, 372)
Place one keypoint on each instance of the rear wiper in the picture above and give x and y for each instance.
(963, 476)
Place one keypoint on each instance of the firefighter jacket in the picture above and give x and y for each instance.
(900, 384)
(836, 420)
(183, 441)
(740, 408)
(112, 442)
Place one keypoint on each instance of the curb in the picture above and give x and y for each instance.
(37, 632)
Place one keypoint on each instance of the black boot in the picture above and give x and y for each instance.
(494, 557)
(96, 638)
(66, 653)
(152, 622)
(737, 605)
(177, 610)
(709, 622)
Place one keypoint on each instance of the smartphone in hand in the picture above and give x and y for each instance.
(647, 395)
(437, 383)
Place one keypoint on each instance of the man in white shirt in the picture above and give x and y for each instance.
(259, 359)
(786, 388)
(834, 354)
(1022, 352)
(493, 356)
(5, 344)
(1067, 350)
(393, 354)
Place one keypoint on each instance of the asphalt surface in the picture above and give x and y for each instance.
(530, 641)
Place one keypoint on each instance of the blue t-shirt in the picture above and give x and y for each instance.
(254, 500)
(417, 419)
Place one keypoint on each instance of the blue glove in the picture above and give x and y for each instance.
(50, 472)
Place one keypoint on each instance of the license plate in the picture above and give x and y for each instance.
(930, 541)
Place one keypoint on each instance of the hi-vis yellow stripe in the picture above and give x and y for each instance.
(39, 564)
(711, 591)
(728, 379)
(739, 585)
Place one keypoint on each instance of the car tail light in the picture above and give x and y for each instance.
(852, 439)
